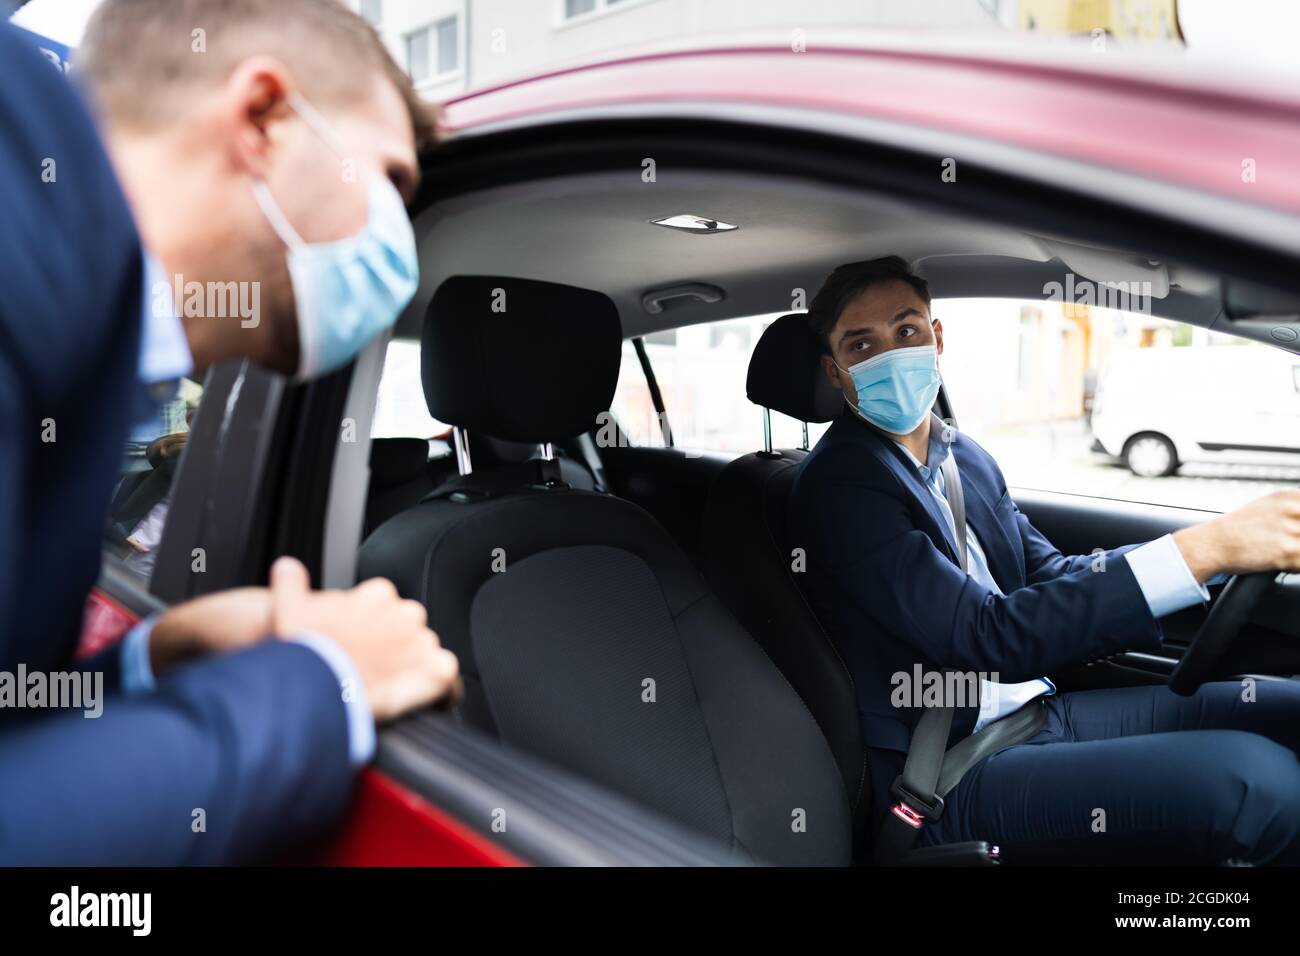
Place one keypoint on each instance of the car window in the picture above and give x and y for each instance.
(1121, 405)
(1067, 398)
(400, 409)
(142, 497)
(701, 372)
(632, 406)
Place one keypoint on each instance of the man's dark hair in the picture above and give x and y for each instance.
(849, 281)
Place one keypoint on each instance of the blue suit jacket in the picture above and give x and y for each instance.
(257, 740)
(883, 578)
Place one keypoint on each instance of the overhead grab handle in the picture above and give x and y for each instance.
(657, 301)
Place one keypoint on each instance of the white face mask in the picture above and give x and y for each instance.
(349, 290)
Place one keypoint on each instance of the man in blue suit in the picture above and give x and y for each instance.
(276, 157)
(1129, 775)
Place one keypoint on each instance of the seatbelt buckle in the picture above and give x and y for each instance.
(910, 808)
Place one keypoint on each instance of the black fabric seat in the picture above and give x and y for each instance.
(584, 634)
(752, 568)
(401, 473)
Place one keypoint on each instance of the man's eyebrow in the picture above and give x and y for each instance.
(905, 313)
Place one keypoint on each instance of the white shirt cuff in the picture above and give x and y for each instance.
(361, 721)
(1162, 574)
(138, 678)
(137, 671)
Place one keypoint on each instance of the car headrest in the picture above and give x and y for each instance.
(785, 373)
(519, 359)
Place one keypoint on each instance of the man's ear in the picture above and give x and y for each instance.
(253, 102)
(832, 373)
(938, 337)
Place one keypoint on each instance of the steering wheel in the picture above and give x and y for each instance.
(1229, 612)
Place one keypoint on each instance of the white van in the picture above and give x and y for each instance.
(1156, 408)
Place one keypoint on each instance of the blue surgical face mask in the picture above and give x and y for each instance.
(896, 389)
(347, 291)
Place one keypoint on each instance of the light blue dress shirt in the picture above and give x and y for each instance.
(1167, 583)
(164, 358)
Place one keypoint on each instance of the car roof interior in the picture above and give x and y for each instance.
(596, 231)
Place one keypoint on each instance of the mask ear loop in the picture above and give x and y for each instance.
(319, 124)
(262, 193)
(271, 210)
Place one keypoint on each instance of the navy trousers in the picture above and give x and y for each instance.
(1141, 775)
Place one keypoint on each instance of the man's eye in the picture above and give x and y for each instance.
(906, 332)
(859, 346)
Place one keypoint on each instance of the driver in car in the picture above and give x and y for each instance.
(1131, 774)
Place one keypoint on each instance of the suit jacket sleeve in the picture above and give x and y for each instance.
(862, 535)
(1045, 562)
(232, 757)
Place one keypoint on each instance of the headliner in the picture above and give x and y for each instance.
(593, 231)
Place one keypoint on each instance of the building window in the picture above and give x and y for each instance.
(448, 48)
(373, 10)
(433, 51)
(417, 54)
(580, 8)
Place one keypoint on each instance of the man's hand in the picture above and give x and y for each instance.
(225, 621)
(1262, 536)
(137, 546)
(401, 663)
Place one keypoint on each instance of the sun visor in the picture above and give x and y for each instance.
(1108, 267)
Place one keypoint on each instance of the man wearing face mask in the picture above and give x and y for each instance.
(909, 597)
(278, 152)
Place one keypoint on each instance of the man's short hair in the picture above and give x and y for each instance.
(849, 281)
(141, 59)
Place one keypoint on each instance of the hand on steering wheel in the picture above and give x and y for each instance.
(1258, 541)
(1226, 617)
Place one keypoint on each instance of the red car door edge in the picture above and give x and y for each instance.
(387, 825)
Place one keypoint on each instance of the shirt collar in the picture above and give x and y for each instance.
(164, 351)
(937, 451)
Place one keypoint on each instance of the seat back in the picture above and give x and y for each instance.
(584, 634)
(401, 473)
(754, 570)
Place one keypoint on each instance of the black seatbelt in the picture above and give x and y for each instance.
(952, 490)
(929, 773)
(591, 458)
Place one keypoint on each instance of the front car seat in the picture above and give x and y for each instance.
(752, 568)
(584, 634)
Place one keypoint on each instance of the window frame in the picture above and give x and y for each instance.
(407, 39)
(436, 71)
(602, 8)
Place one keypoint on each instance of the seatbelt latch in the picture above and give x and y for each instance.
(911, 809)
